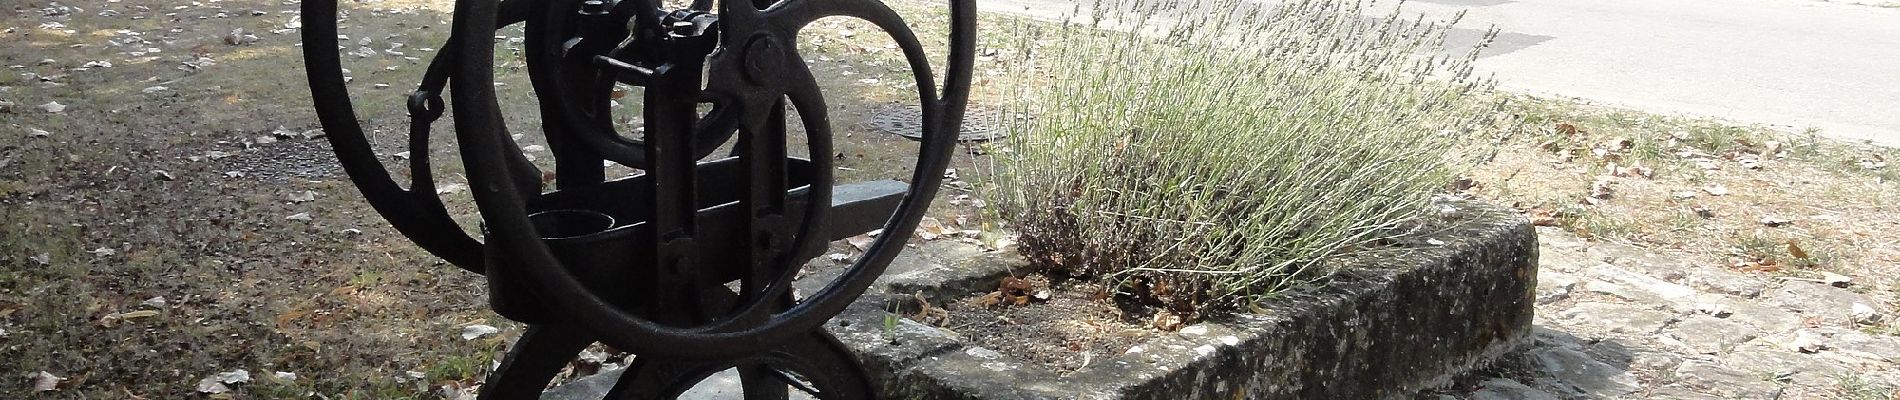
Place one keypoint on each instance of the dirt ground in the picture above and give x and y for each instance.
(1788, 205)
(170, 215)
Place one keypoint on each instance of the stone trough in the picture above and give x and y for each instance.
(1412, 321)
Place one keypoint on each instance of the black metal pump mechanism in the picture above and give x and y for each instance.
(689, 264)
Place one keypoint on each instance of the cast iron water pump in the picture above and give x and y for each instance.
(688, 265)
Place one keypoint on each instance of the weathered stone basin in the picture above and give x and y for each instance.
(1394, 328)
(1384, 330)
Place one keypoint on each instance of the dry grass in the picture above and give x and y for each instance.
(1841, 207)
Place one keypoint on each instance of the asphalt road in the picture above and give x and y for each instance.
(1789, 64)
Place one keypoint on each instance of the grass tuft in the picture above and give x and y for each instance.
(1227, 156)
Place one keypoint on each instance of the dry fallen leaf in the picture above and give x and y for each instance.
(1796, 251)
(929, 229)
(860, 242)
(45, 381)
(1566, 129)
(1757, 266)
(1542, 217)
(1601, 188)
(928, 313)
(991, 299)
(1167, 321)
(1014, 290)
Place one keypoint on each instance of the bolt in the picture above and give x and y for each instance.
(762, 54)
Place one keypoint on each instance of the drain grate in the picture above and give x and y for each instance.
(979, 123)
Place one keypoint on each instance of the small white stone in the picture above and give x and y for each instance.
(478, 330)
(1230, 340)
(983, 353)
(302, 216)
(1865, 313)
(304, 197)
(1204, 350)
(1806, 342)
(1195, 330)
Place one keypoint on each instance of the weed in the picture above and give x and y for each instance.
(1856, 387)
(460, 367)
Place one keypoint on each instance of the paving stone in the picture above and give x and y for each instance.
(1543, 336)
(1719, 280)
(1654, 361)
(1762, 318)
(1860, 347)
(1834, 305)
(1766, 360)
(1561, 251)
(1634, 286)
(1610, 351)
(1678, 393)
(1506, 389)
(1585, 374)
(1616, 318)
(1640, 260)
(1553, 286)
(1717, 380)
(1709, 335)
(1709, 278)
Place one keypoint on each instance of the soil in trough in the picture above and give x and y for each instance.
(1065, 326)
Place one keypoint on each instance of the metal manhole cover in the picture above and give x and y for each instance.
(979, 123)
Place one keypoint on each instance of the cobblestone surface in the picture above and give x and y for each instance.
(1617, 322)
